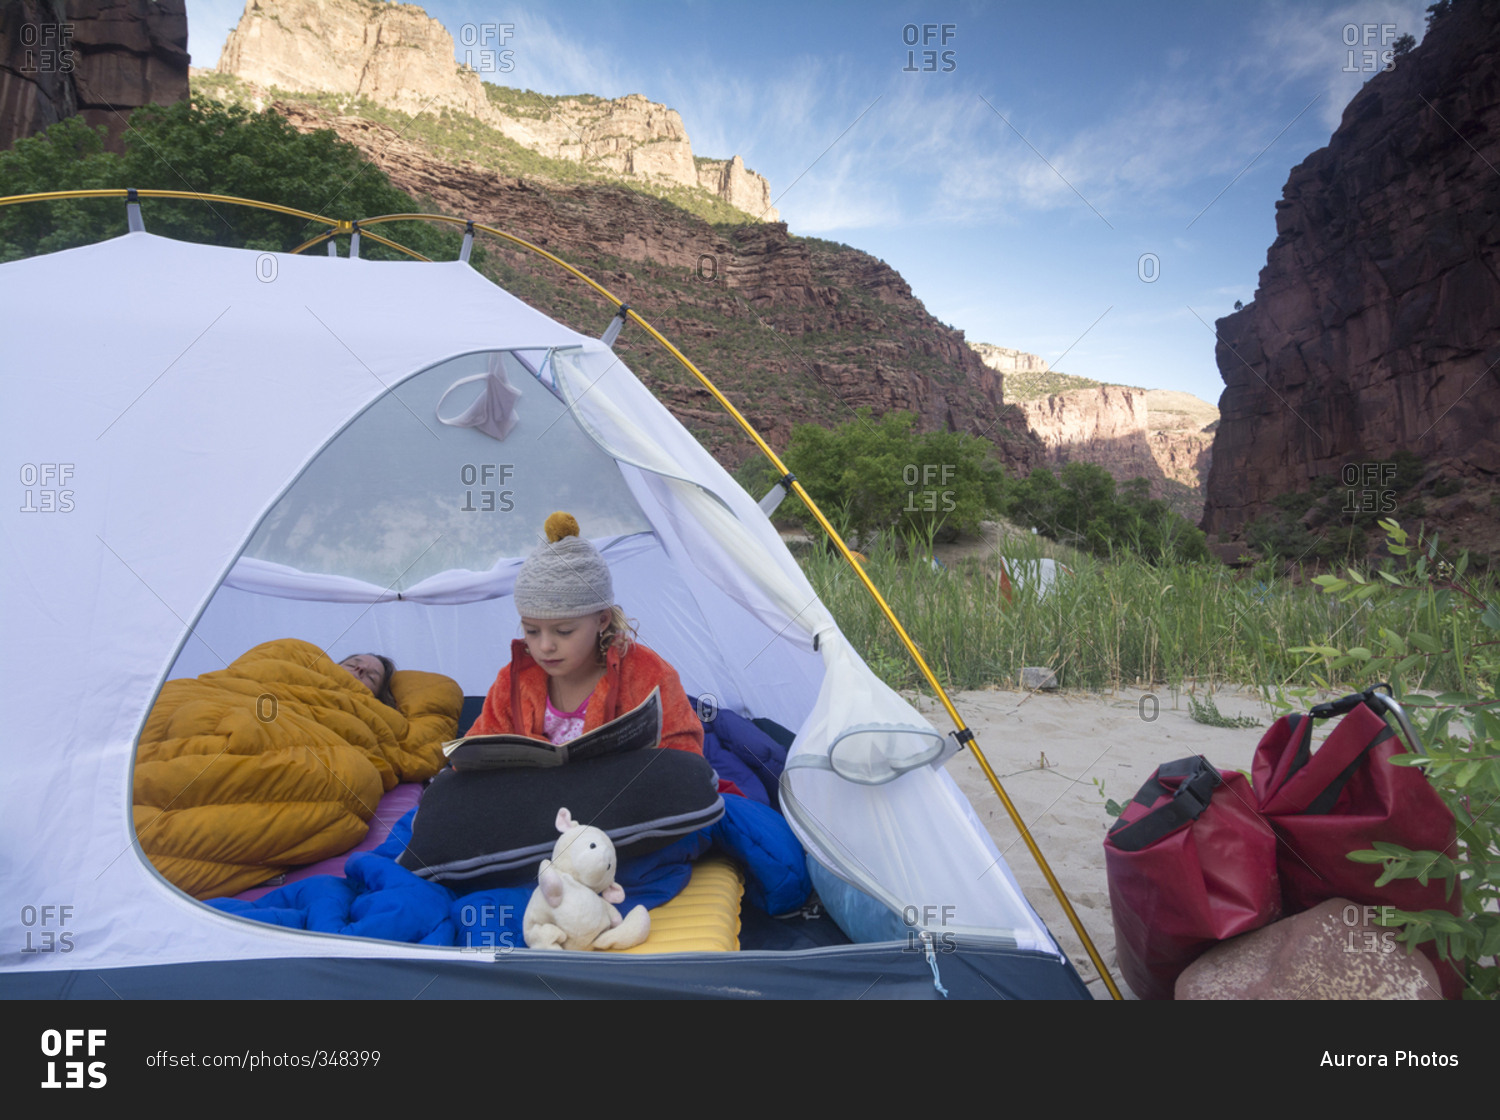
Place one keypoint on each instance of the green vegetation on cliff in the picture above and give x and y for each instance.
(457, 138)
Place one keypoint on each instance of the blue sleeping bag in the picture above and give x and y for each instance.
(744, 754)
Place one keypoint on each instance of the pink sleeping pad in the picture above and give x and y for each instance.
(393, 806)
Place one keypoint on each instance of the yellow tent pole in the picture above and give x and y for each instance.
(121, 192)
(318, 240)
(392, 244)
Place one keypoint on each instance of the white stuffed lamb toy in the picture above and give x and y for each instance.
(572, 906)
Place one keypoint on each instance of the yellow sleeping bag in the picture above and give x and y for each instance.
(277, 761)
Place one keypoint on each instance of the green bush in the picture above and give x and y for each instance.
(1447, 487)
(1344, 526)
(210, 149)
(1082, 507)
(884, 476)
(1437, 626)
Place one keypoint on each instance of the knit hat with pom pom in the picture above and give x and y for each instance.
(564, 578)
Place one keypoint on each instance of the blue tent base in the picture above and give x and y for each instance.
(889, 970)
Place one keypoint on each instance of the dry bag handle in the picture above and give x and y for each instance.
(1380, 703)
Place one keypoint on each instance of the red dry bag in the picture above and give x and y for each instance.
(1341, 798)
(1190, 863)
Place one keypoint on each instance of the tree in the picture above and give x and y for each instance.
(886, 476)
(1084, 508)
(210, 149)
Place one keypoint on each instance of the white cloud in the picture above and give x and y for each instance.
(1306, 46)
(551, 61)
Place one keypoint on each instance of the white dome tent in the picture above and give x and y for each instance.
(218, 447)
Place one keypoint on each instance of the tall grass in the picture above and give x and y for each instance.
(1110, 623)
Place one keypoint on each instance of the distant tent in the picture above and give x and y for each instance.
(223, 447)
(1041, 575)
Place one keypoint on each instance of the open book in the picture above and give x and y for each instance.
(640, 727)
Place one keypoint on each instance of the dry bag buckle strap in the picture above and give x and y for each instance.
(1346, 704)
(1199, 780)
(1188, 801)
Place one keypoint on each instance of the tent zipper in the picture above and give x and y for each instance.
(937, 981)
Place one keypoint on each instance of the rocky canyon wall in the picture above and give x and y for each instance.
(1114, 427)
(397, 56)
(793, 331)
(100, 58)
(1006, 360)
(1376, 324)
(1156, 434)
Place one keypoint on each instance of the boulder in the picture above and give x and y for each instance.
(1332, 951)
(1034, 676)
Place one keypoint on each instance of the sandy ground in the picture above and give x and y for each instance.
(1049, 750)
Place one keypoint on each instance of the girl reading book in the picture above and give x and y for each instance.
(577, 666)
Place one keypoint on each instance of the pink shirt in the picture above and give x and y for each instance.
(563, 727)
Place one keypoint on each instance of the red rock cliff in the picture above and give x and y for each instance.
(793, 330)
(101, 58)
(1376, 325)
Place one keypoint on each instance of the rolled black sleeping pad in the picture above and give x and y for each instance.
(478, 830)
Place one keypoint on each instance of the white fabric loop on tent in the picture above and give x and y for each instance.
(494, 412)
(263, 577)
(873, 754)
(856, 827)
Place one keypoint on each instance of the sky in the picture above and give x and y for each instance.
(1095, 183)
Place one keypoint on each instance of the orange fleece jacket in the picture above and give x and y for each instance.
(517, 701)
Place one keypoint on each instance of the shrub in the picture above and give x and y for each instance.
(1081, 507)
(1439, 626)
(211, 149)
(882, 476)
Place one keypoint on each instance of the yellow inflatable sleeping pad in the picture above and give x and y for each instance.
(704, 918)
